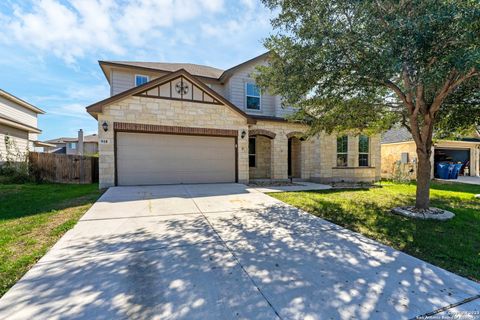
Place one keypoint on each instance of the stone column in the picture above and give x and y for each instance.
(279, 157)
(353, 151)
(106, 161)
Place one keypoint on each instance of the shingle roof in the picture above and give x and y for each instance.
(194, 69)
(89, 138)
(398, 134)
(401, 134)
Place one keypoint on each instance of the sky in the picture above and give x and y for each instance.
(49, 49)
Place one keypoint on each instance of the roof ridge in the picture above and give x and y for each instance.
(162, 62)
(207, 72)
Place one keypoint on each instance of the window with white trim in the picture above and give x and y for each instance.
(141, 79)
(252, 152)
(252, 96)
(72, 145)
(363, 151)
(342, 151)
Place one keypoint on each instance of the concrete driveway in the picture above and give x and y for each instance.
(225, 252)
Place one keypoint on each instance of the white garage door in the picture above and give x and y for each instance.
(145, 159)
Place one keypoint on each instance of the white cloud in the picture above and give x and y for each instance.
(74, 28)
(74, 110)
(250, 4)
(253, 19)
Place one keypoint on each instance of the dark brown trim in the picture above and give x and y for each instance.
(174, 130)
(269, 118)
(178, 99)
(155, 128)
(182, 97)
(262, 132)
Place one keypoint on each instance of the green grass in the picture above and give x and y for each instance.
(453, 245)
(32, 218)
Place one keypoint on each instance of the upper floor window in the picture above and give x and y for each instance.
(342, 151)
(251, 152)
(363, 150)
(72, 145)
(140, 79)
(252, 92)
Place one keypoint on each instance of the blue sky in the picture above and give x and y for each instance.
(49, 49)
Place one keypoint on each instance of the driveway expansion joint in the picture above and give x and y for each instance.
(235, 257)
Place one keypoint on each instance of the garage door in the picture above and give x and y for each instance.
(145, 159)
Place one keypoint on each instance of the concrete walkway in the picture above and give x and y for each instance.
(463, 179)
(224, 252)
(299, 186)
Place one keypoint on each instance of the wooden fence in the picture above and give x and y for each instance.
(63, 168)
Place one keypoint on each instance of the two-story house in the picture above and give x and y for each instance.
(86, 145)
(18, 127)
(186, 123)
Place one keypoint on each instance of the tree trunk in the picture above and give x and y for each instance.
(423, 180)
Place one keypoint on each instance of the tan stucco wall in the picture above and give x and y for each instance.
(392, 153)
(170, 113)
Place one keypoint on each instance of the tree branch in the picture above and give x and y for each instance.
(449, 85)
(389, 84)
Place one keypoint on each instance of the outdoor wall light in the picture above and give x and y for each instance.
(243, 134)
(105, 126)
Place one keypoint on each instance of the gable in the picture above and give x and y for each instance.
(179, 88)
(171, 86)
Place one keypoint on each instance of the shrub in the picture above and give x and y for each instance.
(14, 167)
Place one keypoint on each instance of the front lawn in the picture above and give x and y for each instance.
(453, 245)
(32, 218)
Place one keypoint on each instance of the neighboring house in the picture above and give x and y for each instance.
(18, 127)
(398, 148)
(81, 145)
(186, 123)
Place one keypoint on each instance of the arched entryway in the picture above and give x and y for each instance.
(260, 154)
(295, 154)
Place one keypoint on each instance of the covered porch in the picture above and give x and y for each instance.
(276, 156)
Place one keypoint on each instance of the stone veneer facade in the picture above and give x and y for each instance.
(317, 155)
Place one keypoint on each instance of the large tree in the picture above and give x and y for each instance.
(364, 65)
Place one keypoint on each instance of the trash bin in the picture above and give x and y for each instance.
(443, 170)
(456, 170)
